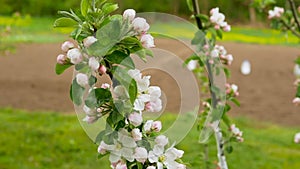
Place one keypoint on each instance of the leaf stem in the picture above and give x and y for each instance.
(294, 11)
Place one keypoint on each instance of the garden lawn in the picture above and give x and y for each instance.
(47, 140)
(40, 30)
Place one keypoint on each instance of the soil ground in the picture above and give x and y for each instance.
(28, 81)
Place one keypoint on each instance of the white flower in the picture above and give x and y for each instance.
(94, 64)
(61, 59)
(161, 140)
(140, 25)
(227, 28)
(87, 42)
(82, 79)
(165, 157)
(154, 92)
(236, 131)
(214, 53)
(67, 45)
(192, 65)
(105, 86)
(246, 67)
(154, 106)
(135, 119)
(276, 12)
(297, 70)
(147, 41)
(136, 134)
(234, 88)
(148, 125)
(151, 167)
(129, 14)
(75, 56)
(123, 147)
(229, 59)
(218, 19)
(156, 126)
(297, 138)
(121, 165)
(141, 154)
(296, 101)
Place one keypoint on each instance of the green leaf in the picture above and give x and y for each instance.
(109, 8)
(297, 61)
(65, 22)
(229, 149)
(118, 57)
(84, 7)
(59, 69)
(97, 97)
(219, 33)
(76, 93)
(101, 156)
(199, 38)
(114, 118)
(227, 72)
(108, 36)
(226, 120)
(190, 5)
(133, 91)
(298, 91)
(92, 80)
(100, 136)
(235, 101)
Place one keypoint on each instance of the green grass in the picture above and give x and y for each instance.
(47, 140)
(40, 30)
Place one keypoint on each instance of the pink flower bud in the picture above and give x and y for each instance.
(147, 41)
(156, 126)
(297, 138)
(87, 42)
(94, 64)
(102, 70)
(296, 101)
(129, 14)
(82, 79)
(61, 59)
(136, 134)
(75, 56)
(227, 28)
(135, 119)
(140, 25)
(105, 86)
(67, 45)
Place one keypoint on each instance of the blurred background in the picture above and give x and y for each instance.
(38, 125)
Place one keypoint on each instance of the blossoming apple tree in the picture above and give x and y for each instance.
(214, 59)
(102, 45)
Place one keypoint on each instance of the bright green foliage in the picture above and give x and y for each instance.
(32, 140)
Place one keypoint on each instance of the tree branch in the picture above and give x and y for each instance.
(291, 29)
(294, 11)
(196, 13)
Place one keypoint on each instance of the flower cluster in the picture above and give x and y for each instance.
(237, 133)
(141, 27)
(148, 98)
(218, 19)
(220, 52)
(276, 12)
(232, 90)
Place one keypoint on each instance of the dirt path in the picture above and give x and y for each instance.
(28, 81)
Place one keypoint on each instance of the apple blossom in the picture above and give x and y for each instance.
(121, 165)
(297, 70)
(61, 59)
(148, 126)
(297, 138)
(129, 14)
(136, 134)
(74, 55)
(296, 101)
(147, 41)
(135, 119)
(156, 126)
(218, 18)
(276, 12)
(87, 42)
(192, 65)
(105, 86)
(94, 64)
(140, 25)
(151, 167)
(227, 28)
(67, 45)
(82, 79)
(102, 70)
(141, 154)
(161, 140)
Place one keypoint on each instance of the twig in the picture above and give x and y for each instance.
(294, 11)
(218, 133)
(290, 28)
